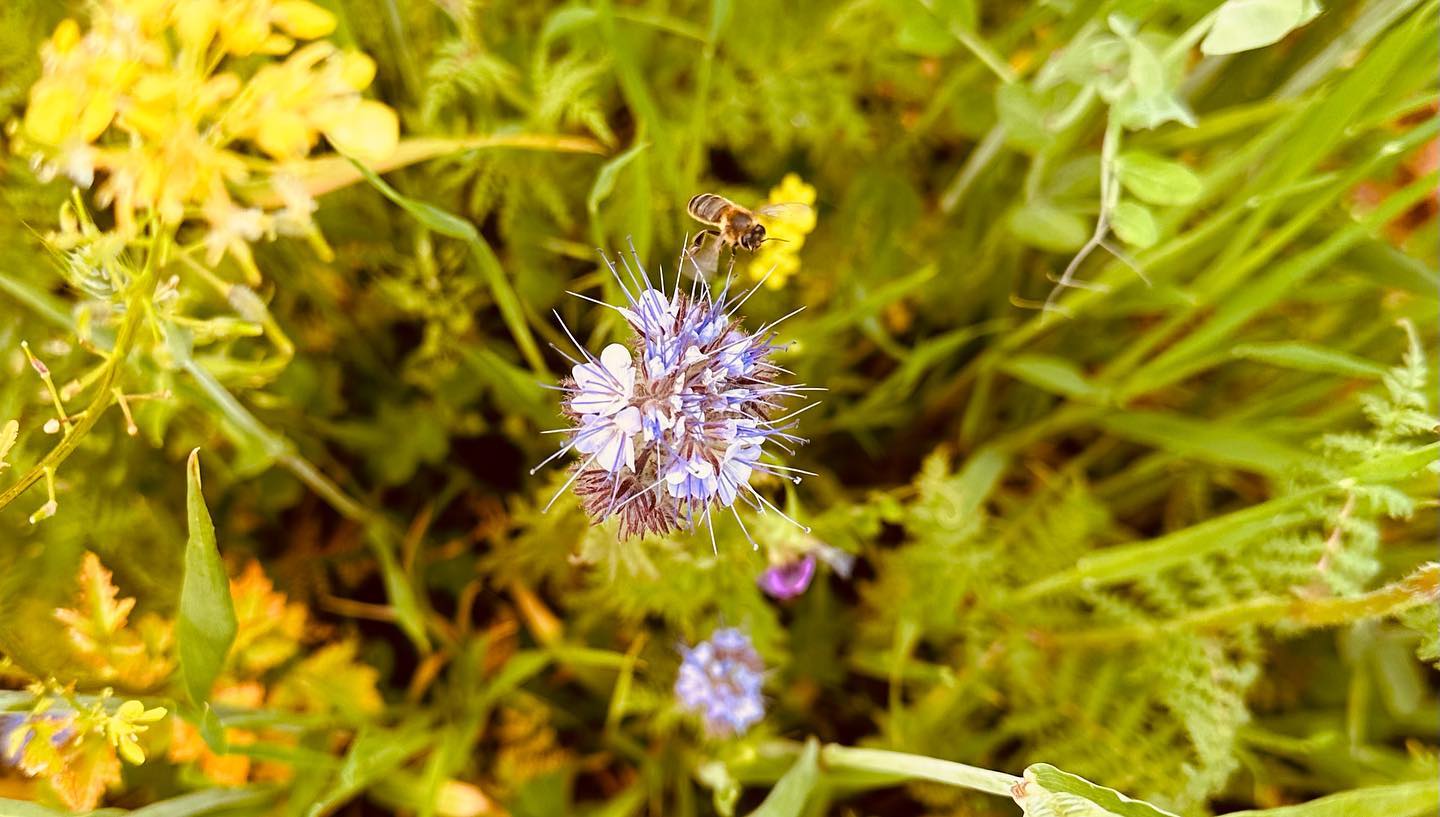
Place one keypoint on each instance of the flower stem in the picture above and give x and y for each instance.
(1420, 587)
(918, 767)
(109, 372)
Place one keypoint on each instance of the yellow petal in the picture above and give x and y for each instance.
(130, 710)
(218, 89)
(369, 132)
(152, 122)
(155, 87)
(51, 112)
(277, 44)
(244, 34)
(284, 135)
(195, 23)
(131, 751)
(97, 115)
(66, 35)
(301, 19)
(793, 188)
(357, 70)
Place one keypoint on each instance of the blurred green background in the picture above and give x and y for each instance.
(1138, 534)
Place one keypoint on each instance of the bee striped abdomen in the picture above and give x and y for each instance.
(708, 207)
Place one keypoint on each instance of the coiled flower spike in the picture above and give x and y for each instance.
(721, 681)
(674, 425)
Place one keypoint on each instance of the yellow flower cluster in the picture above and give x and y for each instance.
(780, 259)
(152, 101)
(74, 748)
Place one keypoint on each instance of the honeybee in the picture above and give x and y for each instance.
(732, 226)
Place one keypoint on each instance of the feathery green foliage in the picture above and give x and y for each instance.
(1126, 313)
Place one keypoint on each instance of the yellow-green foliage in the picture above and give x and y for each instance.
(1125, 312)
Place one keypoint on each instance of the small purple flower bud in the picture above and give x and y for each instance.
(35, 363)
(721, 680)
(790, 579)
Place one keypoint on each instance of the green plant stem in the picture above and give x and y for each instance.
(104, 395)
(1420, 587)
(977, 46)
(979, 158)
(917, 767)
(1109, 197)
(1149, 557)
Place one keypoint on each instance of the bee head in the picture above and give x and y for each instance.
(753, 238)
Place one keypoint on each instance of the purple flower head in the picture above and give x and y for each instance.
(720, 680)
(786, 581)
(671, 427)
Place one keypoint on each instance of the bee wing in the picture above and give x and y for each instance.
(786, 211)
(703, 256)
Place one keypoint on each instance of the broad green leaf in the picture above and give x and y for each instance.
(1056, 375)
(1156, 180)
(1242, 25)
(1050, 792)
(1397, 800)
(1134, 224)
(962, 13)
(25, 808)
(520, 668)
(1308, 357)
(501, 290)
(206, 626)
(562, 21)
(1147, 73)
(882, 763)
(1397, 467)
(244, 800)
(720, 13)
(8, 435)
(608, 175)
(1125, 562)
(1207, 440)
(979, 476)
(1047, 227)
(374, 755)
(788, 797)
(1150, 112)
(920, 33)
(873, 303)
(1021, 112)
(398, 586)
(513, 389)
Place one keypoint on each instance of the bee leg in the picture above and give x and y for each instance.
(700, 237)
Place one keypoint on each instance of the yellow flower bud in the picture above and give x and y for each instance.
(66, 36)
(301, 19)
(284, 135)
(195, 23)
(357, 70)
(276, 44)
(96, 116)
(369, 131)
(218, 89)
(51, 113)
(130, 751)
(243, 32)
